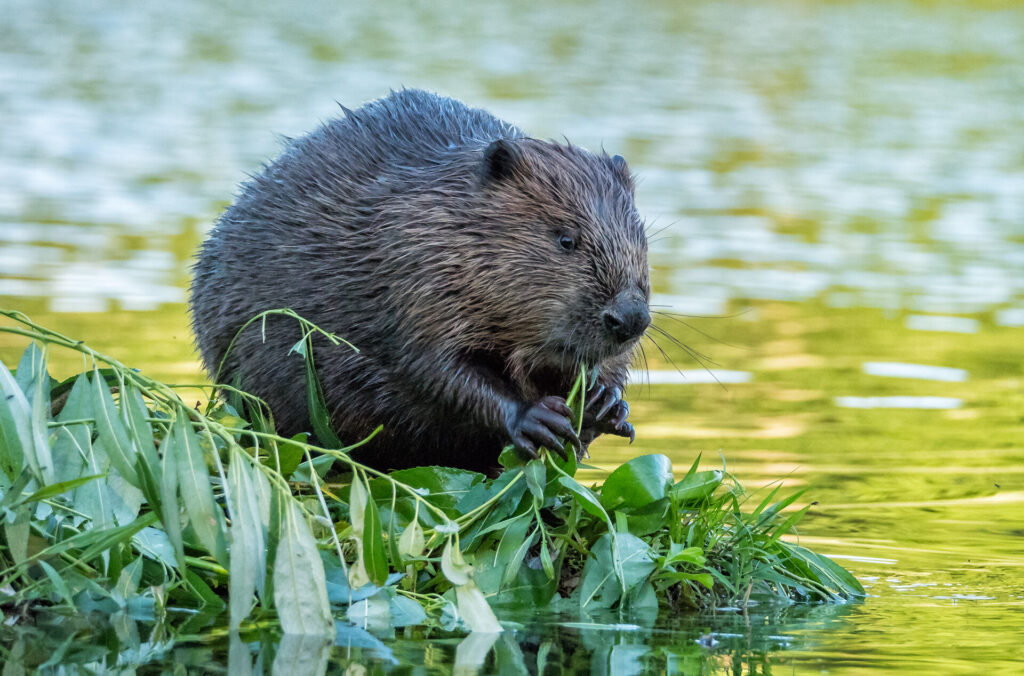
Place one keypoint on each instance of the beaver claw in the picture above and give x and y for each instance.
(606, 412)
(544, 423)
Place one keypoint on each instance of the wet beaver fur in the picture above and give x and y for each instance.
(475, 268)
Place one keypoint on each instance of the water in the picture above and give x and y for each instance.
(842, 191)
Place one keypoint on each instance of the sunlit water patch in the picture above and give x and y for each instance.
(915, 371)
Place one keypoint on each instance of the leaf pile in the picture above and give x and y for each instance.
(116, 495)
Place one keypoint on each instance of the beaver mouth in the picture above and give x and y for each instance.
(572, 355)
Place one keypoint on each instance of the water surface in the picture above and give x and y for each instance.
(841, 192)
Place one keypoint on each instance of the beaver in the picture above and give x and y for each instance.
(474, 268)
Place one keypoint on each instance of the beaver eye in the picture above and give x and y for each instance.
(567, 242)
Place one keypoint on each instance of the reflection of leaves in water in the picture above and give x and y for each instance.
(602, 644)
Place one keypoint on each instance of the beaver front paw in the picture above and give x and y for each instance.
(543, 423)
(605, 413)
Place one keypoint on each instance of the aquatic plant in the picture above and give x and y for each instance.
(118, 495)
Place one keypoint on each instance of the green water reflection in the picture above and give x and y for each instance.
(841, 186)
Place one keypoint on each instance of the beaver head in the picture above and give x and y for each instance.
(556, 257)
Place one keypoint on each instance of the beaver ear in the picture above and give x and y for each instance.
(501, 160)
(622, 171)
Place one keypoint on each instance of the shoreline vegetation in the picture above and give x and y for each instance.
(119, 496)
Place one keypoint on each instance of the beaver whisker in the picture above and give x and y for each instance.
(693, 355)
(674, 318)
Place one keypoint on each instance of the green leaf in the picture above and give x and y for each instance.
(58, 488)
(204, 514)
(289, 455)
(453, 565)
(411, 542)
(509, 458)
(703, 579)
(135, 413)
(59, 585)
(94, 498)
(358, 499)
(827, 571)
(300, 586)
(374, 557)
(638, 482)
(36, 381)
(112, 432)
(405, 612)
(513, 546)
(647, 519)
(696, 487)
(536, 476)
(677, 554)
(70, 441)
(618, 562)
(170, 512)
(16, 531)
(586, 498)
(443, 487)
(207, 596)
(248, 548)
(16, 436)
(319, 418)
(128, 582)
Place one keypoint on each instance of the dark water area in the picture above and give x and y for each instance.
(837, 190)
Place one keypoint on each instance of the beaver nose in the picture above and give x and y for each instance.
(626, 318)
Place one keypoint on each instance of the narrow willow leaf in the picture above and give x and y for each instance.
(319, 418)
(247, 545)
(207, 596)
(513, 546)
(154, 544)
(204, 514)
(128, 582)
(33, 364)
(112, 431)
(135, 413)
(358, 497)
(15, 428)
(16, 531)
(59, 584)
(170, 513)
(93, 498)
(536, 476)
(374, 558)
(411, 542)
(126, 499)
(453, 565)
(69, 441)
(358, 575)
(57, 489)
(473, 608)
(300, 586)
(587, 500)
(546, 563)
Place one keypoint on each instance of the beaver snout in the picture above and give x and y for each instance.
(626, 317)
